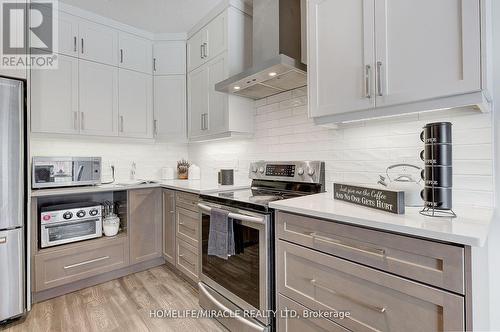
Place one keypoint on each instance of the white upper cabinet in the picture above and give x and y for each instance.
(198, 102)
(98, 99)
(217, 101)
(135, 53)
(169, 58)
(54, 98)
(68, 34)
(370, 58)
(341, 73)
(196, 50)
(427, 49)
(170, 108)
(135, 104)
(98, 43)
(216, 40)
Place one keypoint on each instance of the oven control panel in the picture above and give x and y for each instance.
(69, 212)
(292, 171)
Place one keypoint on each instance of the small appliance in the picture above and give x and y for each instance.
(67, 223)
(52, 172)
(226, 177)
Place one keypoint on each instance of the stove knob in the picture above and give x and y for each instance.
(254, 169)
(261, 170)
(80, 214)
(300, 171)
(310, 171)
(93, 212)
(67, 215)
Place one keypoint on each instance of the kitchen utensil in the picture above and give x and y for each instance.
(437, 154)
(404, 180)
(437, 133)
(437, 198)
(226, 177)
(437, 176)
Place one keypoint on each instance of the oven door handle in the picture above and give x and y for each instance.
(68, 223)
(238, 216)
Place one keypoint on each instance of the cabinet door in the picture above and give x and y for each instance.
(217, 101)
(135, 53)
(195, 51)
(54, 98)
(198, 101)
(341, 73)
(426, 49)
(169, 226)
(135, 105)
(145, 224)
(170, 108)
(68, 34)
(215, 35)
(98, 99)
(170, 58)
(98, 43)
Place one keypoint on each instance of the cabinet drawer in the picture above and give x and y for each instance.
(187, 259)
(429, 262)
(187, 201)
(288, 324)
(187, 225)
(64, 266)
(377, 301)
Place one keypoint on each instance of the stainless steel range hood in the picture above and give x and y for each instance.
(278, 44)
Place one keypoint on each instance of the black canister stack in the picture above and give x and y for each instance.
(438, 171)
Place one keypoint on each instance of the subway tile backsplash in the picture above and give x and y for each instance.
(356, 152)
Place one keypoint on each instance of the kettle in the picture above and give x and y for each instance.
(405, 181)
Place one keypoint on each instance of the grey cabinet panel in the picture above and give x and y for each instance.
(169, 226)
(377, 301)
(145, 224)
(187, 259)
(188, 225)
(429, 262)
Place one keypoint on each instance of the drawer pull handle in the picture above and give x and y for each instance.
(375, 251)
(86, 262)
(366, 305)
(183, 224)
(3, 240)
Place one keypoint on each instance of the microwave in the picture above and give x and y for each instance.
(53, 172)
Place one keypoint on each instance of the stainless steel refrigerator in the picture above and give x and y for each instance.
(12, 200)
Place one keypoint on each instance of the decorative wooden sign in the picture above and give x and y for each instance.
(380, 199)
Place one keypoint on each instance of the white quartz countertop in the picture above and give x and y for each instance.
(192, 186)
(471, 227)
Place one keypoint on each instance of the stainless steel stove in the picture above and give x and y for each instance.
(245, 281)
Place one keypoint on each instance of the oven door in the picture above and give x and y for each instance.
(245, 278)
(67, 232)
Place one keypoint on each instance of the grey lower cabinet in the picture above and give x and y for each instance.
(169, 246)
(328, 266)
(145, 224)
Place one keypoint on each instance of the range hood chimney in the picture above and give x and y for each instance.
(277, 52)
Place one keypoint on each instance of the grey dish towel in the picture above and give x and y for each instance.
(221, 234)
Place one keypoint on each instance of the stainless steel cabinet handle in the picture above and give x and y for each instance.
(201, 51)
(86, 262)
(83, 46)
(82, 119)
(121, 123)
(205, 49)
(368, 74)
(75, 120)
(3, 240)
(375, 251)
(121, 55)
(366, 305)
(155, 125)
(379, 78)
(74, 44)
(154, 64)
(206, 121)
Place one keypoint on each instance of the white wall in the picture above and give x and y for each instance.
(494, 237)
(149, 158)
(358, 152)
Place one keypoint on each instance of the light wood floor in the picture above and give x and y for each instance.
(119, 305)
